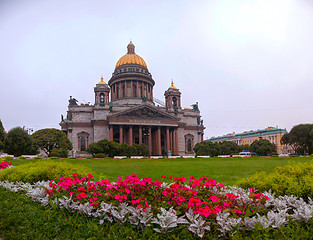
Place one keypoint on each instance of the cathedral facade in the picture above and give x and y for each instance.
(125, 111)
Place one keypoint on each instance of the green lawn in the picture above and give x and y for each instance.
(224, 170)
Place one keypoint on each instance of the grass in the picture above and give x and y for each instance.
(21, 218)
(224, 170)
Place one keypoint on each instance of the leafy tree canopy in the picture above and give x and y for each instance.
(244, 147)
(50, 138)
(2, 136)
(228, 147)
(263, 147)
(18, 142)
(207, 148)
(111, 148)
(300, 138)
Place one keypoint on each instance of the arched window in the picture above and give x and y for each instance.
(102, 98)
(82, 144)
(174, 101)
(189, 147)
(117, 92)
(124, 90)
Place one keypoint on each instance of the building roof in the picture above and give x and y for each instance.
(101, 82)
(246, 134)
(131, 57)
(172, 86)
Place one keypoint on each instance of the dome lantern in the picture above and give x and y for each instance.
(130, 48)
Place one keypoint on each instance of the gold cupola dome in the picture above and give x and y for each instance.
(172, 86)
(131, 57)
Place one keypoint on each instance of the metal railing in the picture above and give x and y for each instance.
(159, 102)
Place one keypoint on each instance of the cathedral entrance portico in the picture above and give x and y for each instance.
(159, 139)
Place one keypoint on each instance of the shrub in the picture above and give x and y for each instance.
(99, 155)
(43, 170)
(37, 158)
(21, 157)
(289, 180)
(56, 152)
(274, 155)
(7, 158)
(139, 150)
(72, 158)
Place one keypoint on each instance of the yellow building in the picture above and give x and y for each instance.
(273, 134)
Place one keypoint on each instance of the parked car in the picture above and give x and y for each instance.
(243, 154)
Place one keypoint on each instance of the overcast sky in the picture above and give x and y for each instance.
(248, 63)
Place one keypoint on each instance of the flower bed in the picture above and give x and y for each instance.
(4, 165)
(200, 204)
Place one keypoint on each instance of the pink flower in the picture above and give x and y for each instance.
(213, 198)
(231, 196)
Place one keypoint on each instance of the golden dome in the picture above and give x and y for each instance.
(172, 86)
(131, 57)
(101, 82)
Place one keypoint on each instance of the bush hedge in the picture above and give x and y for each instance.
(43, 170)
(99, 155)
(7, 158)
(296, 179)
(58, 153)
(111, 149)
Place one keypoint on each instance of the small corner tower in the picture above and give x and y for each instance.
(172, 98)
(102, 91)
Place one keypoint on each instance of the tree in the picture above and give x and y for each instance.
(207, 148)
(94, 148)
(263, 147)
(2, 136)
(50, 138)
(111, 149)
(140, 150)
(108, 148)
(245, 147)
(18, 142)
(300, 138)
(228, 147)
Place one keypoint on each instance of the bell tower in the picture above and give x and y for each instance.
(102, 91)
(172, 98)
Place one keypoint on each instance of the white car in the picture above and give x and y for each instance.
(243, 154)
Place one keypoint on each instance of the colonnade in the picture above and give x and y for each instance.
(131, 88)
(159, 139)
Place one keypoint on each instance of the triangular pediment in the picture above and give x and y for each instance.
(145, 112)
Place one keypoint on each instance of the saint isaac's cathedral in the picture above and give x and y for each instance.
(125, 111)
